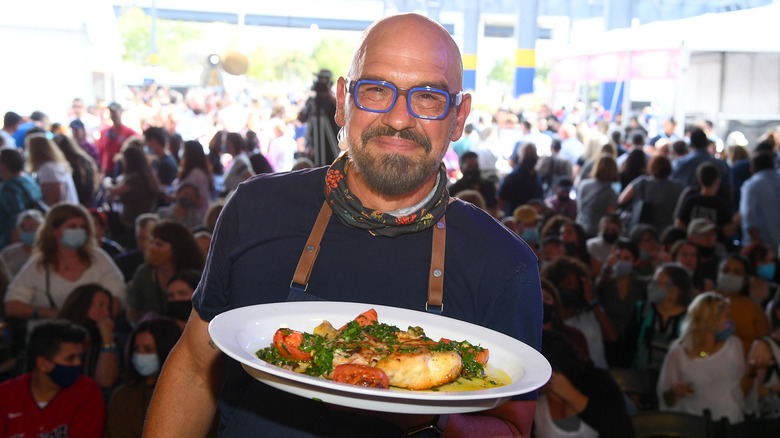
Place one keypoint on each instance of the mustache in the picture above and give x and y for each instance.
(407, 134)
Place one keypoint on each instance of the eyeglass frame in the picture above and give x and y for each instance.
(456, 99)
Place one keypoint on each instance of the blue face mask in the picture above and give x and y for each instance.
(65, 375)
(767, 271)
(530, 234)
(73, 238)
(28, 238)
(644, 255)
(728, 330)
(146, 364)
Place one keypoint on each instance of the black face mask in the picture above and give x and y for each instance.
(571, 248)
(178, 309)
(610, 237)
(548, 312)
(471, 175)
(706, 251)
(571, 298)
(564, 197)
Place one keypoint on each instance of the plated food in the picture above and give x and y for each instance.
(368, 353)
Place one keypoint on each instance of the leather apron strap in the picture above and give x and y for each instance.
(434, 304)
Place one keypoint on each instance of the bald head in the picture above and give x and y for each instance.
(415, 36)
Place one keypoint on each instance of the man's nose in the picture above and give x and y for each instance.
(399, 117)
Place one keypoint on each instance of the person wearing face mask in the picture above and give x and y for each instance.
(183, 210)
(579, 306)
(89, 306)
(705, 367)
(16, 254)
(600, 247)
(560, 202)
(54, 399)
(472, 179)
(650, 255)
(703, 234)
(172, 248)
(179, 292)
(763, 284)
(65, 257)
(750, 320)
(552, 320)
(147, 348)
(527, 222)
(618, 292)
(659, 317)
(575, 243)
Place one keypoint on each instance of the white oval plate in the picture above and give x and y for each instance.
(239, 333)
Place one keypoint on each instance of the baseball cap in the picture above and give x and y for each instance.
(700, 226)
(77, 124)
(115, 106)
(525, 213)
(736, 138)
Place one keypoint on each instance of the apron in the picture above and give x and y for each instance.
(300, 281)
(276, 419)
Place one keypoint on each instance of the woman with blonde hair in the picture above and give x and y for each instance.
(53, 172)
(65, 256)
(705, 367)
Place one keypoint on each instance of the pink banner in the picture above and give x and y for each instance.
(618, 66)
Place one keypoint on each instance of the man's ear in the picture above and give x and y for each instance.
(463, 111)
(43, 364)
(341, 99)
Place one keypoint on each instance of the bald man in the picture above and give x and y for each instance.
(400, 105)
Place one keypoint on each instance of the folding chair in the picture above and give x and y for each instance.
(639, 386)
(658, 424)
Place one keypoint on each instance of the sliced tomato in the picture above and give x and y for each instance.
(368, 317)
(287, 342)
(361, 375)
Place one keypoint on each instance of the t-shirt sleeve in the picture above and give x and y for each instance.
(48, 174)
(90, 417)
(211, 296)
(22, 287)
(110, 276)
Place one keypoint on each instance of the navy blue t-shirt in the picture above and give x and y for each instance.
(490, 279)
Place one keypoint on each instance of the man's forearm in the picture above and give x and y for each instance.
(513, 419)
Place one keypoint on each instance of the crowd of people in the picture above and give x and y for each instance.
(656, 246)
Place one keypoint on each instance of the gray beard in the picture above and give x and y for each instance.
(393, 174)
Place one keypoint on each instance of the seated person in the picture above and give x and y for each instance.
(183, 210)
(101, 226)
(54, 399)
(179, 292)
(561, 203)
(150, 342)
(16, 254)
(579, 400)
(600, 247)
(527, 222)
(472, 179)
(618, 291)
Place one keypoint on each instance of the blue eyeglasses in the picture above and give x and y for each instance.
(423, 102)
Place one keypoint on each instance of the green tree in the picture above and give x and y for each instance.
(333, 54)
(136, 29)
(503, 72)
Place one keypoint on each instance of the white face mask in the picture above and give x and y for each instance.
(655, 293)
(729, 283)
(623, 268)
(146, 364)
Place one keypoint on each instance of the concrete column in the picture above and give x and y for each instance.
(525, 55)
(433, 8)
(618, 14)
(471, 18)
